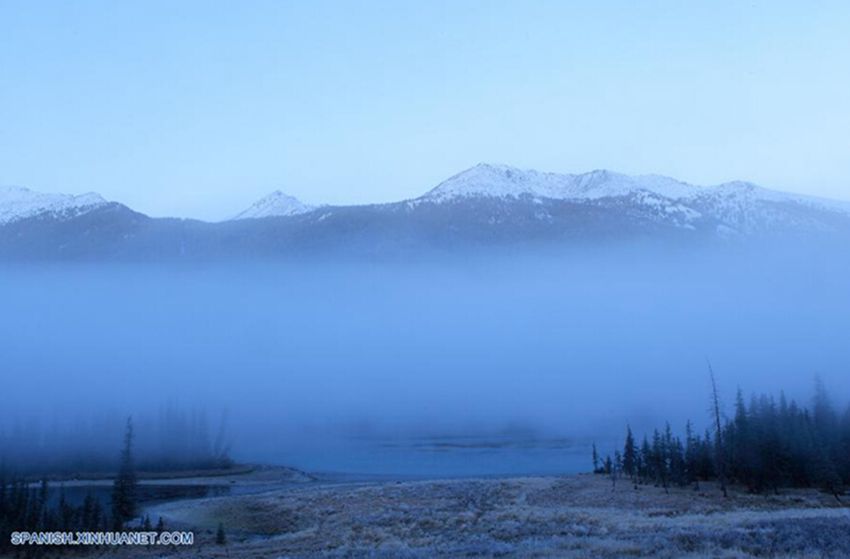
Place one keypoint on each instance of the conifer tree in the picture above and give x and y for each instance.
(595, 460)
(125, 485)
(630, 455)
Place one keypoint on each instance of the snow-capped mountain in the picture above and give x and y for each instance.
(487, 205)
(502, 181)
(276, 204)
(735, 206)
(17, 203)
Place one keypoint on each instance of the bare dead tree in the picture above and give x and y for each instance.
(718, 438)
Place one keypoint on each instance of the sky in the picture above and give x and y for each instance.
(198, 108)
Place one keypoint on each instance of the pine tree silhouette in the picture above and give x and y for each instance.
(125, 484)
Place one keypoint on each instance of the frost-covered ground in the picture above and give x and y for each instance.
(577, 516)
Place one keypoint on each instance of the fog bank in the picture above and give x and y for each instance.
(565, 345)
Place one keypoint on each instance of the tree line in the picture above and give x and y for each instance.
(24, 508)
(175, 438)
(766, 445)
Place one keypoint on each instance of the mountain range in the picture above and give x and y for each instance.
(484, 205)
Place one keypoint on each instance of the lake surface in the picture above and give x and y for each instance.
(439, 456)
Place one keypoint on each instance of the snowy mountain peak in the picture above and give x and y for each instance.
(276, 204)
(484, 177)
(502, 181)
(499, 181)
(18, 203)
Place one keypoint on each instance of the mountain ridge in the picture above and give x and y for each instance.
(483, 205)
(486, 179)
(482, 180)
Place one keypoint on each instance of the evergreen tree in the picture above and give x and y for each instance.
(125, 485)
(607, 466)
(595, 460)
(630, 454)
(616, 468)
(691, 466)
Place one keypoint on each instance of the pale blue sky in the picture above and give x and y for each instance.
(198, 108)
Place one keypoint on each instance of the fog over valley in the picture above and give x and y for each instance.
(393, 367)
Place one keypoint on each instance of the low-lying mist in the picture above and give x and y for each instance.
(307, 357)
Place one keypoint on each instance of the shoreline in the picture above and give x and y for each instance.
(239, 474)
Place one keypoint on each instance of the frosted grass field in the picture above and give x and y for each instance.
(576, 517)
